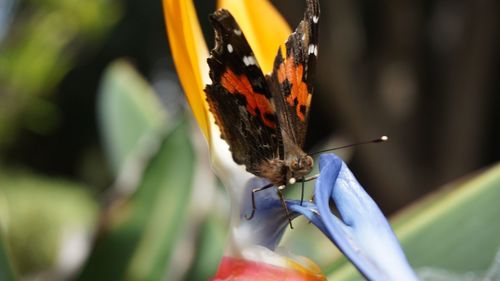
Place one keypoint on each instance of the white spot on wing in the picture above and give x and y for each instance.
(237, 32)
(249, 60)
(315, 19)
(312, 50)
(229, 48)
(303, 37)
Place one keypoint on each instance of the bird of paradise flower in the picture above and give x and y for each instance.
(361, 231)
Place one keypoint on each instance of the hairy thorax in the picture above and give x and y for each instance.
(279, 172)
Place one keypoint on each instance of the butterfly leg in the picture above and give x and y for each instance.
(302, 192)
(303, 180)
(254, 206)
(285, 207)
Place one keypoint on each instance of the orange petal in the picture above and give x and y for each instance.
(245, 270)
(263, 26)
(190, 55)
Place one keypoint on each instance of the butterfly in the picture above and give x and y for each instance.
(264, 118)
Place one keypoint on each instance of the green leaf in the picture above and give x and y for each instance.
(42, 46)
(455, 229)
(39, 215)
(210, 247)
(128, 110)
(6, 271)
(142, 231)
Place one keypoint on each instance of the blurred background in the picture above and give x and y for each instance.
(92, 118)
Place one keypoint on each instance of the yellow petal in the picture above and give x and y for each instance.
(306, 266)
(190, 53)
(263, 26)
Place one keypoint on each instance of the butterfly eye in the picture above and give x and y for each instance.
(309, 161)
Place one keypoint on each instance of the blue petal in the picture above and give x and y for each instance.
(362, 233)
(269, 221)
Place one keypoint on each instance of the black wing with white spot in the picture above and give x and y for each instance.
(292, 79)
(239, 96)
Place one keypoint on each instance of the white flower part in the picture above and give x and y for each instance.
(234, 178)
(281, 257)
(264, 255)
(204, 68)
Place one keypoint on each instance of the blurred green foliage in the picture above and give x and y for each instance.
(129, 111)
(45, 39)
(140, 231)
(6, 271)
(37, 212)
(144, 219)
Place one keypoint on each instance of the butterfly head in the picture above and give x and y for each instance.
(302, 165)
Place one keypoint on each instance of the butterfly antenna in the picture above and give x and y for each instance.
(380, 139)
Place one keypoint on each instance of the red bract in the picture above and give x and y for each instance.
(235, 269)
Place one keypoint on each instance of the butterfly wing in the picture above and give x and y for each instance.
(239, 96)
(292, 79)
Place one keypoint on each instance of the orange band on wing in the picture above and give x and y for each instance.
(241, 85)
(299, 95)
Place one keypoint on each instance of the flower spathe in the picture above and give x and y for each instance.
(190, 53)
